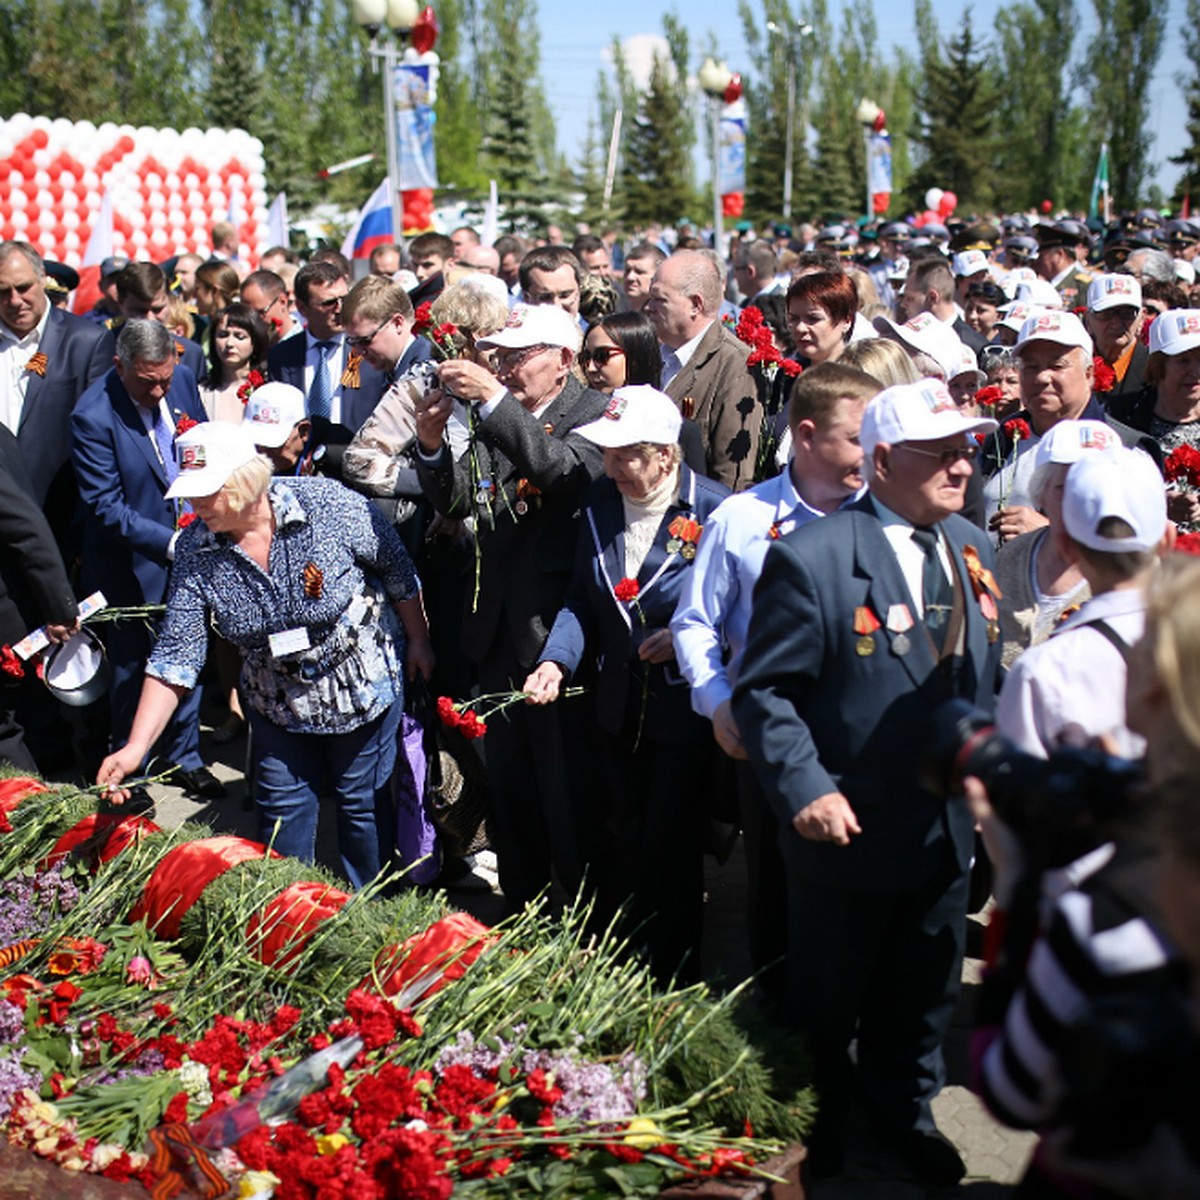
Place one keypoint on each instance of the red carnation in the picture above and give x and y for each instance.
(447, 712)
(990, 396)
(791, 367)
(10, 664)
(423, 317)
(1017, 428)
(472, 726)
(749, 323)
(1183, 466)
(375, 1018)
(184, 424)
(185, 519)
(176, 1111)
(627, 589)
(1187, 543)
(1104, 378)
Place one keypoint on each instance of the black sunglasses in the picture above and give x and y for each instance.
(600, 356)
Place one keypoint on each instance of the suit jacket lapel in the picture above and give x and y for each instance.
(130, 419)
(658, 555)
(49, 345)
(683, 383)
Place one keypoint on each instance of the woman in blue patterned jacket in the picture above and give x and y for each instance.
(320, 598)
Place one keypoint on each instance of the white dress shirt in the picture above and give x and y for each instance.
(673, 361)
(15, 354)
(1070, 688)
(909, 555)
(713, 613)
(335, 364)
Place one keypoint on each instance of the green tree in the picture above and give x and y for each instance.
(1120, 65)
(1189, 158)
(955, 119)
(458, 133)
(1035, 40)
(656, 170)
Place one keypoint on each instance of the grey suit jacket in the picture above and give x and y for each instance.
(718, 391)
(526, 556)
(817, 716)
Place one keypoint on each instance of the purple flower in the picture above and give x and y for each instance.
(12, 1080)
(12, 1023)
(606, 1092)
(28, 903)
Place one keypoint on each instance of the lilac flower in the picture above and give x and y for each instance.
(606, 1092)
(149, 1062)
(12, 1023)
(29, 902)
(12, 1080)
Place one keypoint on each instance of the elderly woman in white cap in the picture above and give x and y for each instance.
(1041, 582)
(319, 596)
(638, 538)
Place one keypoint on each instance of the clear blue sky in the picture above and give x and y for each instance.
(573, 36)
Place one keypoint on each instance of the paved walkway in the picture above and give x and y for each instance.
(995, 1156)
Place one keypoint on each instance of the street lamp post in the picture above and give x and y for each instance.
(400, 17)
(714, 79)
(866, 114)
(794, 39)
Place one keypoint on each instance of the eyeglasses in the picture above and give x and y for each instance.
(329, 305)
(361, 343)
(600, 356)
(508, 360)
(947, 457)
(262, 312)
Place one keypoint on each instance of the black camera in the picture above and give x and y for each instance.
(1059, 808)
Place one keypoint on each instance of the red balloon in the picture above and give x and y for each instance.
(125, 144)
(417, 210)
(1046, 206)
(56, 190)
(947, 204)
(733, 92)
(40, 138)
(27, 169)
(5, 208)
(60, 233)
(17, 159)
(880, 202)
(425, 32)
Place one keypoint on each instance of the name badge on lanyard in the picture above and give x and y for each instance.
(288, 641)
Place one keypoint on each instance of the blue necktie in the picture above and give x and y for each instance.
(320, 398)
(164, 439)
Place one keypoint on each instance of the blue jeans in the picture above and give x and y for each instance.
(294, 770)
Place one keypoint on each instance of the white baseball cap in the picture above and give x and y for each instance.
(272, 413)
(1114, 291)
(1124, 483)
(1185, 272)
(535, 325)
(1041, 293)
(1014, 278)
(207, 455)
(915, 412)
(1062, 328)
(1065, 443)
(1014, 315)
(927, 335)
(967, 362)
(969, 262)
(1175, 331)
(637, 413)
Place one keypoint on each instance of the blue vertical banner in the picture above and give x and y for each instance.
(879, 163)
(414, 84)
(731, 157)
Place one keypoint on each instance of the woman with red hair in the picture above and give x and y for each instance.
(820, 310)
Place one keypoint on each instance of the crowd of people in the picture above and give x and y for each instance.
(736, 538)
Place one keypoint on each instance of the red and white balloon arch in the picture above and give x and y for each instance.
(167, 187)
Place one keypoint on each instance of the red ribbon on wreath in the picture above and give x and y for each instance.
(278, 933)
(450, 945)
(110, 832)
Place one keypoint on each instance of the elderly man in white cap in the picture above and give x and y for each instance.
(1056, 385)
(1114, 319)
(522, 478)
(276, 421)
(863, 623)
(1071, 689)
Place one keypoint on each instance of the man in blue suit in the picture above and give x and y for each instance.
(122, 444)
(863, 623)
(341, 387)
(48, 357)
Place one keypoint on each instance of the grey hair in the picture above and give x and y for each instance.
(248, 482)
(8, 249)
(1156, 264)
(144, 341)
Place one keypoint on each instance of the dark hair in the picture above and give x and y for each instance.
(314, 272)
(240, 316)
(1172, 293)
(635, 335)
(587, 243)
(141, 281)
(646, 250)
(508, 243)
(426, 244)
(328, 254)
(834, 291)
(988, 292)
(933, 273)
(817, 392)
(817, 260)
(266, 281)
(549, 258)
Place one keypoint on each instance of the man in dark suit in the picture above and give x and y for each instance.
(930, 288)
(704, 366)
(863, 623)
(340, 388)
(122, 443)
(523, 481)
(48, 357)
(32, 567)
(142, 295)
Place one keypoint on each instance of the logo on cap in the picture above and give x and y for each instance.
(938, 400)
(266, 414)
(1189, 323)
(192, 458)
(1096, 439)
(1048, 323)
(616, 406)
(516, 319)
(1119, 284)
(920, 321)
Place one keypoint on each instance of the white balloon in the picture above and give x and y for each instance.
(73, 258)
(44, 199)
(15, 178)
(259, 198)
(92, 201)
(156, 201)
(47, 219)
(107, 133)
(68, 180)
(118, 240)
(137, 219)
(20, 220)
(91, 181)
(154, 181)
(933, 198)
(70, 202)
(139, 238)
(19, 199)
(84, 129)
(70, 219)
(158, 220)
(7, 145)
(20, 124)
(41, 123)
(41, 179)
(171, 182)
(43, 158)
(71, 241)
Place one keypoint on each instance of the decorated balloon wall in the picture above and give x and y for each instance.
(168, 187)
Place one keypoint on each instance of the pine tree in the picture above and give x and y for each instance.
(1189, 159)
(1120, 65)
(955, 126)
(655, 173)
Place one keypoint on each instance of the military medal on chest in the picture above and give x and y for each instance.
(899, 622)
(865, 625)
(685, 534)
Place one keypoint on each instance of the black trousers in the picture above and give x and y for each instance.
(766, 884)
(884, 967)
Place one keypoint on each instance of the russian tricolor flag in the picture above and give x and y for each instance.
(373, 226)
